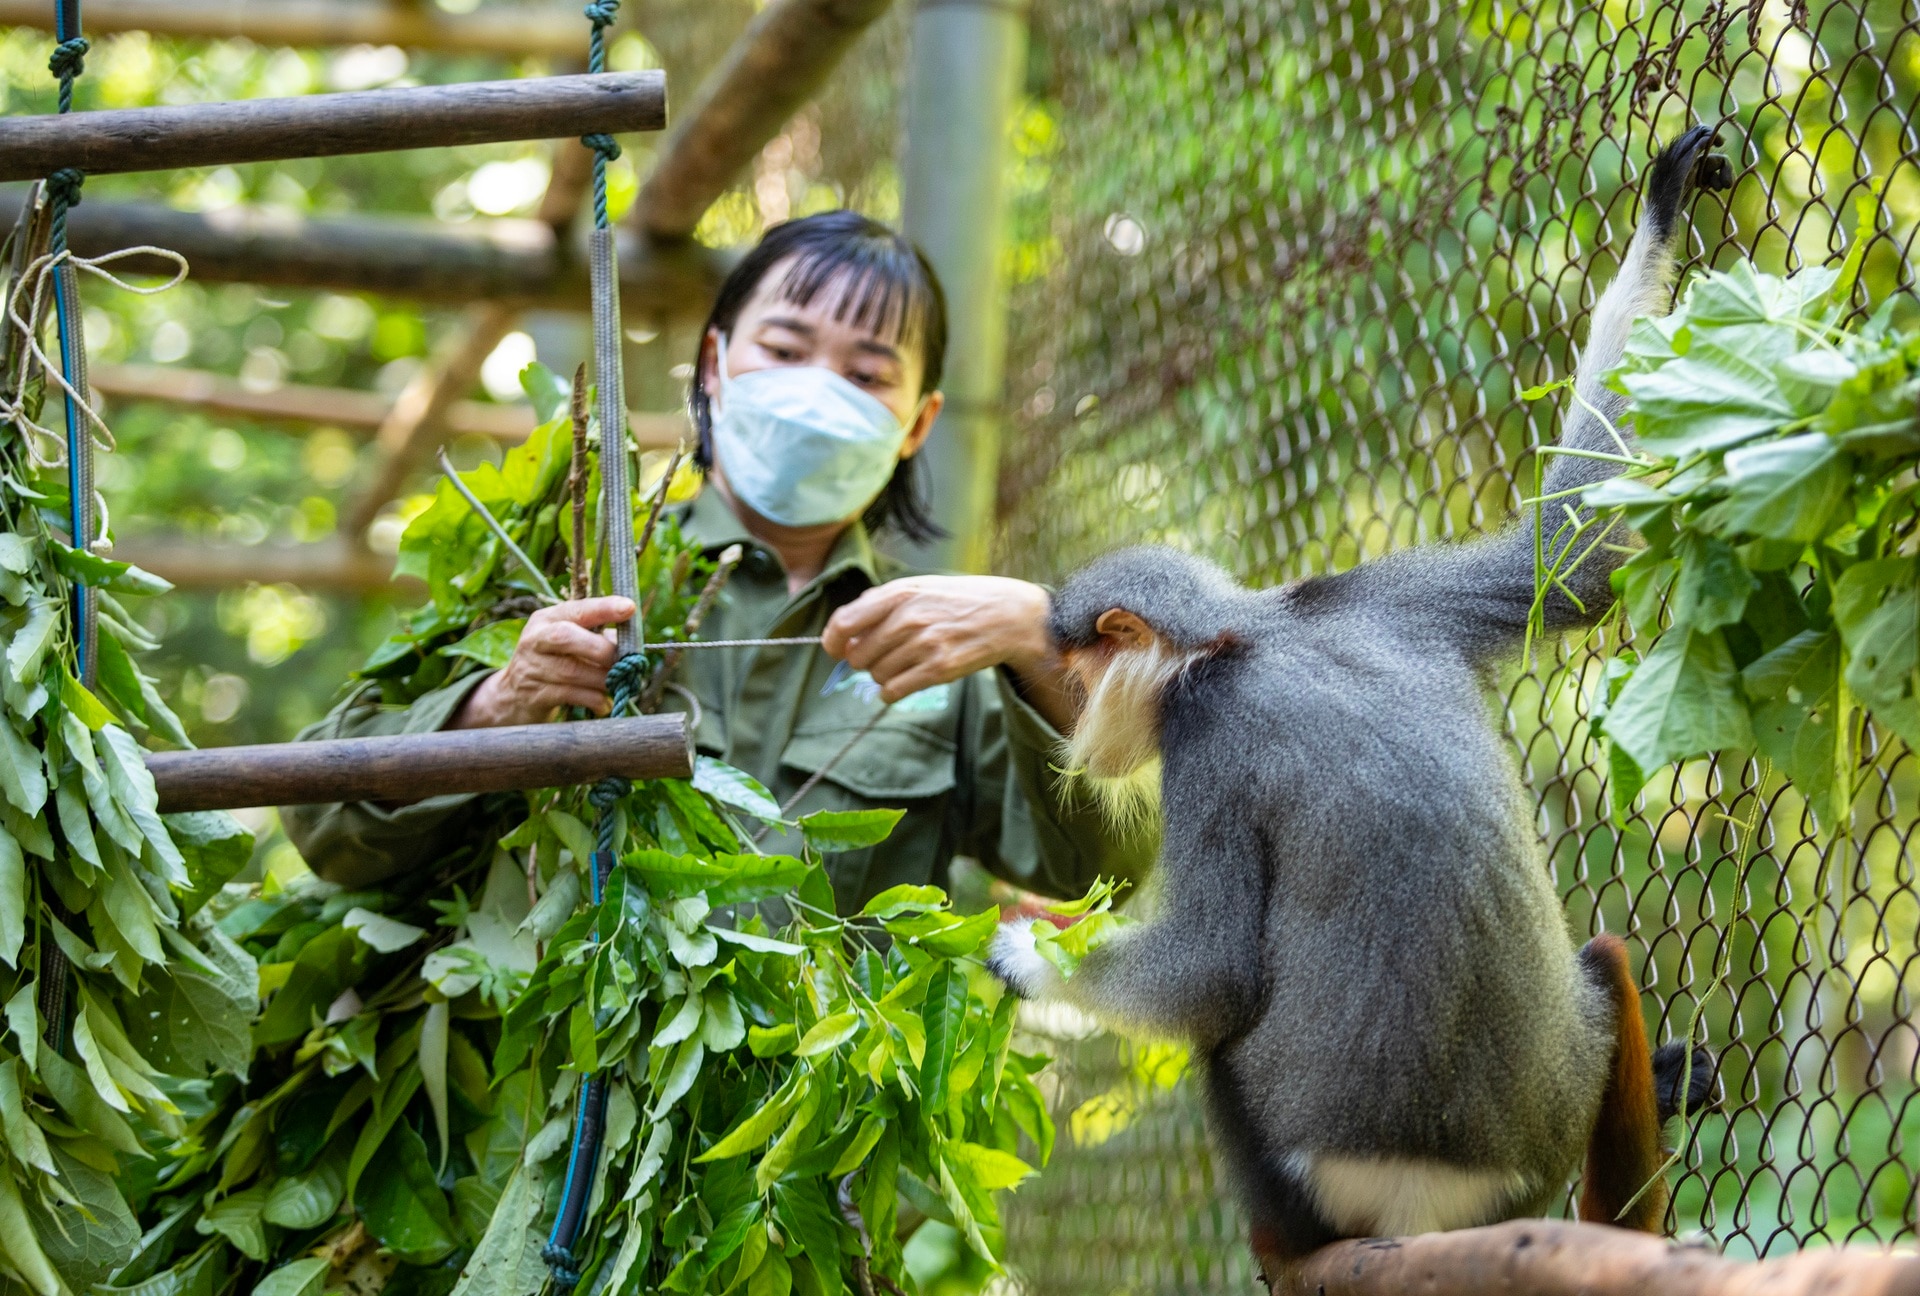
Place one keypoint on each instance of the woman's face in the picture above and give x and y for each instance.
(772, 332)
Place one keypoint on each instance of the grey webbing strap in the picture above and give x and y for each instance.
(616, 490)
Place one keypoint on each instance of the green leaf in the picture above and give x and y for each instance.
(1714, 585)
(434, 1025)
(27, 650)
(761, 944)
(490, 645)
(761, 1124)
(326, 965)
(507, 1260)
(1876, 606)
(678, 1077)
(944, 1011)
(781, 1154)
(299, 1278)
(379, 932)
(771, 1041)
(1688, 406)
(13, 898)
(78, 699)
(1682, 701)
(96, 572)
(215, 847)
(238, 1219)
(828, 1033)
(22, 1247)
(1794, 691)
(1792, 489)
(401, 1203)
(23, 1019)
(870, 1131)
(551, 394)
(735, 788)
(829, 831)
(964, 937)
(22, 775)
(988, 1167)
(307, 1201)
(905, 898)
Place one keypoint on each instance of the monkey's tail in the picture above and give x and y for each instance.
(1623, 1154)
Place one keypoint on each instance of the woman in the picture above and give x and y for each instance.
(816, 386)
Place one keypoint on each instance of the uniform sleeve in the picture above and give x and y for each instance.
(1025, 821)
(356, 843)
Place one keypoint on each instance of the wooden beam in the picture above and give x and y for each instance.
(780, 61)
(518, 261)
(533, 31)
(340, 407)
(326, 565)
(1553, 1258)
(412, 767)
(332, 125)
(416, 423)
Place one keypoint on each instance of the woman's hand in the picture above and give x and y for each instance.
(561, 660)
(920, 631)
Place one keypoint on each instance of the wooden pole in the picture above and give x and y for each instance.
(341, 407)
(1552, 1258)
(412, 767)
(329, 125)
(519, 261)
(535, 31)
(783, 57)
(322, 565)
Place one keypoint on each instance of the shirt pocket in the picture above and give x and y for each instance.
(901, 759)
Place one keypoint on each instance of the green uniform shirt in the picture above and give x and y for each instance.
(969, 761)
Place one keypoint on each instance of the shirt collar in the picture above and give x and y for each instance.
(711, 524)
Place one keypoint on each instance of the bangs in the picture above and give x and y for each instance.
(873, 284)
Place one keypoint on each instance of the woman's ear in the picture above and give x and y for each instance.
(709, 369)
(923, 425)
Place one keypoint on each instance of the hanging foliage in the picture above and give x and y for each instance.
(779, 1077)
(1773, 482)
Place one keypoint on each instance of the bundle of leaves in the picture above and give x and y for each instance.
(780, 1078)
(1773, 482)
(121, 996)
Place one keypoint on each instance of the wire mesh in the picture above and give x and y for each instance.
(1282, 270)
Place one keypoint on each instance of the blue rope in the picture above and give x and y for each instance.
(601, 14)
(67, 62)
(624, 681)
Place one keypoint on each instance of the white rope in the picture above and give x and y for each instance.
(37, 276)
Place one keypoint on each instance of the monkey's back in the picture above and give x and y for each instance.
(1422, 996)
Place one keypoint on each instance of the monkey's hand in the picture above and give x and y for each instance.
(1014, 959)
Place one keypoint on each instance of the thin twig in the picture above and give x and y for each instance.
(813, 779)
(577, 483)
(659, 502)
(864, 1276)
(493, 524)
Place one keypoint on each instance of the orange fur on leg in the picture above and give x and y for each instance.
(1624, 1152)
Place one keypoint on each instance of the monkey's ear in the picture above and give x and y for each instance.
(1128, 629)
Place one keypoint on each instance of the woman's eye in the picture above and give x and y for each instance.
(781, 353)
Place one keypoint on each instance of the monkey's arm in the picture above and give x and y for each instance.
(1484, 592)
(1195, 970)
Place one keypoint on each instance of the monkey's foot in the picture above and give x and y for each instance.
(1013, 958)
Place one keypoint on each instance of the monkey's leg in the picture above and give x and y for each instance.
(1623, 1153)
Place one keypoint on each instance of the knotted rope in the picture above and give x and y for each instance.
(601, 14)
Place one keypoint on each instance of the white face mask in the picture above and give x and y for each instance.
(801, 445)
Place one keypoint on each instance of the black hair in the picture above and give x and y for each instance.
(885, 283)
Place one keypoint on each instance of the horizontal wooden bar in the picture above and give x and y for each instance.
(516, 261)
(405, 768)
(329, 125)
(342, 407)
(1554, 1258)
(321, 565)
(532, 31)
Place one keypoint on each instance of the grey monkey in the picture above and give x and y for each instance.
(1356, 932)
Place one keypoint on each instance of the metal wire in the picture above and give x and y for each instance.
(1281, 271)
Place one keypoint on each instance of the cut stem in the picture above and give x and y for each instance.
(493, 524)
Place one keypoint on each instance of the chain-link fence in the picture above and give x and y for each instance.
(1283, 267)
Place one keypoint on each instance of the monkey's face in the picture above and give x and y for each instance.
(1124, 674)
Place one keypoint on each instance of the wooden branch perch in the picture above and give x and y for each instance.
(1553, 1258)
(530, 32)
(519, 261)
(329, 125)
(784, 56)
(412, 767)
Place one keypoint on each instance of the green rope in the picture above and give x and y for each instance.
(601, 13)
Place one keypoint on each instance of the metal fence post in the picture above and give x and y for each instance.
(969, 57)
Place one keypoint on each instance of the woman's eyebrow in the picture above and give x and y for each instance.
(874, 346)
(792, 323)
